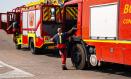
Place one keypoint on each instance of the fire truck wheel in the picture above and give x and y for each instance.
(18, 46)
(93, 60)
(32, 47)
(78, 56)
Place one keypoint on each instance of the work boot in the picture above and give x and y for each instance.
(64, 67)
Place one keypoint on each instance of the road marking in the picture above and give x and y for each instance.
(1, 65)
(13, 73)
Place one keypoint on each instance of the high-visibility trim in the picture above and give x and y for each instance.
(57, 11)
(76, 11)
(60, 39)
(70, 13)
(47, 40)
(47, 15)
(19, 39)
(49, 43)
(73, 11)
(36, 2)
(32, 35)
(110, 41)
(46, 18)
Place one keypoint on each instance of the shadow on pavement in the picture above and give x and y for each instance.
(113, 69)
(47, 52)
(25, 49)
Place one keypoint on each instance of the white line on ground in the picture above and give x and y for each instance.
(14, 73)
(1, 65)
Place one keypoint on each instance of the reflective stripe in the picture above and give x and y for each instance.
(47, 14)
(72, 12)
(57, 11)
(110, 41)
(60, 39)
(58, 14)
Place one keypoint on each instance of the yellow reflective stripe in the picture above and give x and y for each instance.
(19, 39)
(47, 14)
(46, 18)
(109, 41)
(57, 11)
(76, 11)
(62, 1)
(71, 12)
(49, 43)
(60, 39)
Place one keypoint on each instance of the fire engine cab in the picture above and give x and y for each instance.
(104, 32)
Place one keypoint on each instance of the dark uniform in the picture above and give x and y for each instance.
(60, 39)
(15, 30)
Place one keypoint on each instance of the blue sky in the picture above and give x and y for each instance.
(7, 5)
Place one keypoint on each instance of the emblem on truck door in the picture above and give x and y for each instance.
(31, 19)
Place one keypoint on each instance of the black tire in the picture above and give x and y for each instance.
(33, 49)
(18, 46)
(78, 56)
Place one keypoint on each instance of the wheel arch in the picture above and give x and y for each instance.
(29, 40)
(86, 47)
(78, 40)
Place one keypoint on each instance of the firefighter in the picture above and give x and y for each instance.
(15, 26)
(60, 39)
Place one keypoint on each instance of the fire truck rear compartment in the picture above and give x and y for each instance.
(51, 20)
(71, 12)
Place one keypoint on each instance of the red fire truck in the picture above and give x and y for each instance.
(104, 32)
(37, 24)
